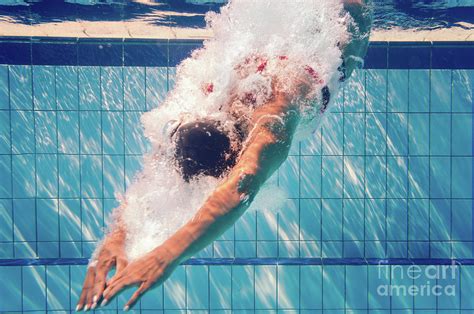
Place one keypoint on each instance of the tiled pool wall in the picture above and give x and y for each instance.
(389, 175)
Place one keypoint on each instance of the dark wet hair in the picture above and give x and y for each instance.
(203, 148)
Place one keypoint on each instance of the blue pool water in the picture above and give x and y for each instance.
(386, 183)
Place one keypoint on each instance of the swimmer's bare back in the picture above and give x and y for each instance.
(266, 147)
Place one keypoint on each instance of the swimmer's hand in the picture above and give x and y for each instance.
(112, 252)
(153, 268)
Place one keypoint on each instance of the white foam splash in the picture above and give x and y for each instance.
(306, 32)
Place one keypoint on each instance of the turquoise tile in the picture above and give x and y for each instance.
(375, 219)
(20, 87)
(397, 220)
(440, 172)
(44, 89)
(246, 226)
(89, 88)
(288, 228)
(332, 131)
(90, 132)
(111, 86)
(174, 290)
(427, 276)
(91, 176)
(354, 249)
(11, 290)
(267, 225)
(331, 219)
(34, 288)
(310, 176)
(462, 249)
(418, 177)
(156, 86)
(332, 249)
(68, 132)
(288, 287)
(312, 145)
(441, 90)
(461, 136)
(356, 287)
(440, 249)
(311, 287)
(310, 219)
(23, 174)
(397, 134)
(47, 219)
(418, 249)
(135, 141)
(376, 90)
(152, 299)
(418, 134)
(310, 249)
(418, 90)
(25, 249)
(397, 91)
(4, 88)
(397, 177)
(24, 230)
(397, 249)
(440, 219)
(354, 211)
(354, 176)
(333, 277)
(113, 175)
(69, 176)
(399, 277)
(22, 132)
(462, 220)
(113, 137)
(378, 285)
(376, 134)
(220, 291)
(46, 132)
(267, 249)
(134, 88)
(197, 287)
(6, 220)
(92, 219)
(67, 87)
(5, 138)
(6, 175)
(288, 249)
(288, 176)
(354, 92)
(375, 249)
(265, 287)
(70, 249)
(440, 134)
(354, 133)
(467, 287)
(461, 177)
(375, 176)
(243, 287)
(47, 175)
(58, 288)
(450, 279)
(245, 249)
(332, 176)
(462, 88)
(418, 219)
(224, 249)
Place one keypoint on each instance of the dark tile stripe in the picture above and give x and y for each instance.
(150, 52)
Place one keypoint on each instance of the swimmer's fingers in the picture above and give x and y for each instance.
(115, 286)
(143, 287)
(102, 269)
(85, 299)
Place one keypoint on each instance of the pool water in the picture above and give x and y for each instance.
(382, 195)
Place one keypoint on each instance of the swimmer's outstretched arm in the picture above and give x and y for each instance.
(266, 148)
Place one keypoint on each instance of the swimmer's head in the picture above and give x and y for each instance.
(203, 148)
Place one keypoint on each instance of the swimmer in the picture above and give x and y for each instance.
(243, 157)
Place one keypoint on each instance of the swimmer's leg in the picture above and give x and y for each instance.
(355, 50)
